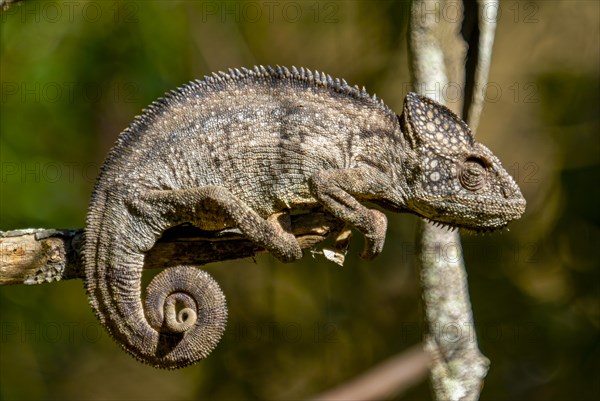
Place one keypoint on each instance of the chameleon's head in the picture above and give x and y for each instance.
(451, 178)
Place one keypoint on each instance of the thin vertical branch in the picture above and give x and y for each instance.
(438, 55)
(483, 40)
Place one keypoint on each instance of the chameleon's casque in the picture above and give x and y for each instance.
(235, 148)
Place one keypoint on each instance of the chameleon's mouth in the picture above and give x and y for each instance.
(471, 229)
(468, 215)
(468, 228)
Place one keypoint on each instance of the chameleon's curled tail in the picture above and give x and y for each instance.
(184, 312)
(185, 317)
(187, 307)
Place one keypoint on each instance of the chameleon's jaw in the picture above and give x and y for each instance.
(480, 216)
(467, 228)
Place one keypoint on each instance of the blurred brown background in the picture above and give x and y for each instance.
(74, 74)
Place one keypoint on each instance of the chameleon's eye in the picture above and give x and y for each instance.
(473, 174)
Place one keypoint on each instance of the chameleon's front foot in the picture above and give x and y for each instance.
(339, 191)
(375, 236)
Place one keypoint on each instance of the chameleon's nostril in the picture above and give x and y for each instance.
(507, 192)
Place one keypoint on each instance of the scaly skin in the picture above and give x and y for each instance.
(233, 150)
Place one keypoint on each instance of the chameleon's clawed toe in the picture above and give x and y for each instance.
(288, 250)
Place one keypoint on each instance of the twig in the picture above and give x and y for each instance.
(483, 41)
(389, 378)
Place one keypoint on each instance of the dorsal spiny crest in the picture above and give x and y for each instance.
(310, 75)
(316, 78)
(283, 71)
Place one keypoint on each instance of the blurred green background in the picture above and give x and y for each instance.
(74, 75)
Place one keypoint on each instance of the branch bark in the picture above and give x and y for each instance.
(34, 256)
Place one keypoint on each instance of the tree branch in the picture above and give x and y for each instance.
(34, 256)
(438, 55)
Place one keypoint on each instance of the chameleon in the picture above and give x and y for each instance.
(235, 149)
